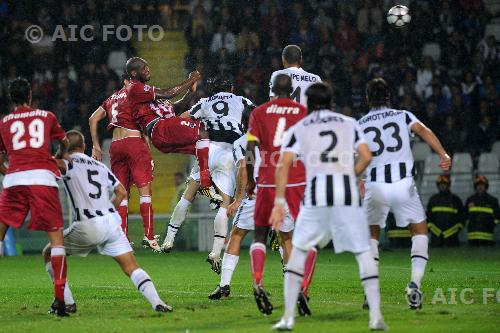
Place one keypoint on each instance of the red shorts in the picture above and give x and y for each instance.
(41, 201)
(265, 202)
(176, 135)
(131, 162)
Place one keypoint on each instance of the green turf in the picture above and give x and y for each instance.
(107, 301)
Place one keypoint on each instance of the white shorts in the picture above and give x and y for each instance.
(244, 217)
(222, 168)
(103, 232)
(401, 198)
(345, 225)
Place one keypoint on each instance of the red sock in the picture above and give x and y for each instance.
(58, 263)
(202, 153)
(257, 260)
(309, 270)
(123, 212)
(147, 216)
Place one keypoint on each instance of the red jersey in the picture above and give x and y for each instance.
(119, 111)
(268, 125)
(145, 107)
(25, 136)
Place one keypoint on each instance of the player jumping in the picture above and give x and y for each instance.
(268, 125)
(222, 115)
(30, 180)
(389, 178)
(156, 116)
(326, 142)
(131, 159)
(96, 223)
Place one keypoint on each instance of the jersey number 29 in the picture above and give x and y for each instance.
(36, 130)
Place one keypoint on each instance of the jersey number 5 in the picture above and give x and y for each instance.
(36, 130)
(98, 185)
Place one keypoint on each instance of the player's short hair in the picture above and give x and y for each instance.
(282, 85)
(134, 64)
(378, 92)
(218, 84)
(125, 76)
(319, 97)
(292, 54)
(76, 140)
(19, 90)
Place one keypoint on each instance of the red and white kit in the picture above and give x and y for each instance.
(30, 184)
(268, 125)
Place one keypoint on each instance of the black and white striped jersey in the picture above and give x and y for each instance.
(301, 80)
(388, 133)
(221, 114)
(89, 185)
(239, 153)
(326, 142)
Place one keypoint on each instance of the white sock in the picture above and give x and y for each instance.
(229, 263)
(220, 231)
(143, 283)
(419, 257)
(178, 217)
(374, 249)
(368, 272)
(281, 252)
(68, 295)
(293, 280)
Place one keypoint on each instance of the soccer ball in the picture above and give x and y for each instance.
(398, 16)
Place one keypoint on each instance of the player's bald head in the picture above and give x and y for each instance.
(319, 97)
(76, 141)
(292, 56)
(282, 85)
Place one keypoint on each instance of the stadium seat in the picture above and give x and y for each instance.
(462, 164)
(420, 151)
(432, 165)
(106, 159)
(492, 7)
(496, 148)
(489, 165)
(433, 50)
(462, 185)
(116, 61)
(493, 29)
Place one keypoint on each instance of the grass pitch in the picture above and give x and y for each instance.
(108, 302)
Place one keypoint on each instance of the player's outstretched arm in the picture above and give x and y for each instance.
(94, 120)
(364, 158)
(170, 93)
(241, 184)
(181, 107)
(120, 195)
(431, 139)
(281, 177)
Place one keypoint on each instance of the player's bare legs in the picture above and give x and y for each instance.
(3, 231)
(229, 263)
(419, 258)
(220, 232)
(179, 215)
(146, 208)
(202, 147)
(142, 281)
(59, 269)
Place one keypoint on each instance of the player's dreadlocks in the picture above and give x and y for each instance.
(218, 84)
(378, 93)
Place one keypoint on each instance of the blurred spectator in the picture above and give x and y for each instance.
(482, 136)
(223, 39)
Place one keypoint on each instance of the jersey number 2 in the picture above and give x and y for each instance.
(36, 130)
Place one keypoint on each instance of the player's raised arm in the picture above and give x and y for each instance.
(170, 93)
(94, 120)
(431, 139)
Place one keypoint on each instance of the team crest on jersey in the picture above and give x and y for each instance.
(147, 87)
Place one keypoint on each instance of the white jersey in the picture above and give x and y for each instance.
(89, 185)
(221, 114)
(239, 153)
(326, 142)
(388, 134)
(301, 80)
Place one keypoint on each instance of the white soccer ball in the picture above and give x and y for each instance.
(399, 16)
